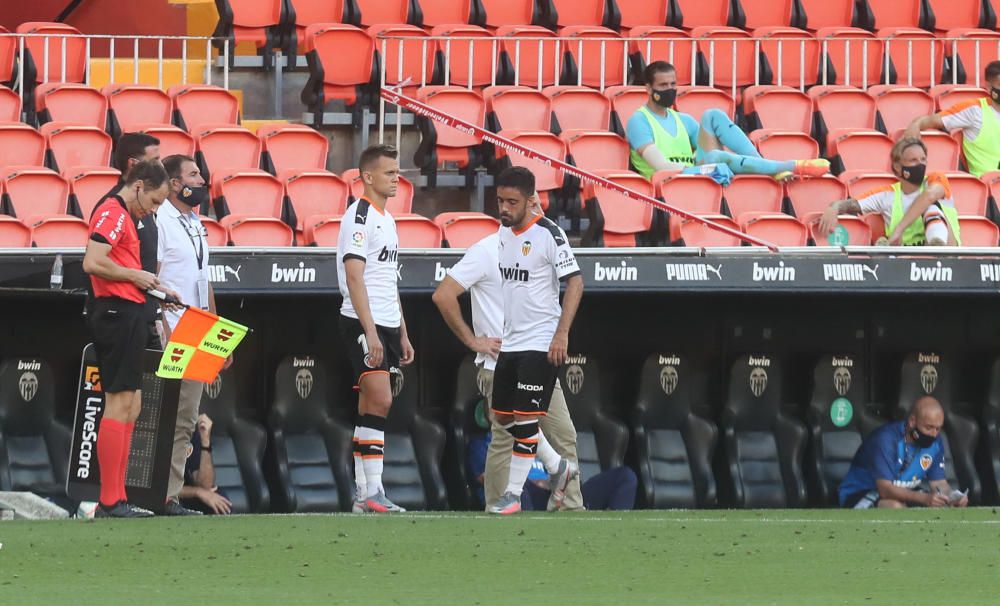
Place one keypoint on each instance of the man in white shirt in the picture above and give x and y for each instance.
(182, 257)
(478, 273)
(371, 318)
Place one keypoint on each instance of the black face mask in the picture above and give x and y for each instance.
(193, 196)
(664, 98)
(913, 174)
(922, 439)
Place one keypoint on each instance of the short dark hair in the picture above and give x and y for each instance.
(992, 70)
(656, 67)
(373, 153)
(518, 177)
(150, 172)
(132, 146)
(172, 164)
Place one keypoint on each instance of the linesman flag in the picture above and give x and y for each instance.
(199, 346)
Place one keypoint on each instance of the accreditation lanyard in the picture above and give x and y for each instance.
(199, 248)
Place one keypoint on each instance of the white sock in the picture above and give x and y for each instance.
(359, 469)
(372, 462)
(519, 469)
(547, 455)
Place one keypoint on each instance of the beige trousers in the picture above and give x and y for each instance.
(558, 429)
(187, 417)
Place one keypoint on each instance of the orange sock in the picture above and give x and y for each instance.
(110, 437)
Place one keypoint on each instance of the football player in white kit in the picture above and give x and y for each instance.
(534, 258)
(371, 319)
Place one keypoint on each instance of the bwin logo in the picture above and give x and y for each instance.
(616, 274)
(440, 272)
(28, 386)
(304, 382)
(386, 255)
(514, 274)
(293, 274)
(773, 274)
(935, 273)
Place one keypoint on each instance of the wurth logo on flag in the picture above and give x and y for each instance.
(177, 354)
(224, 335)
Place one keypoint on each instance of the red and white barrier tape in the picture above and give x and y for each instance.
(396, 97)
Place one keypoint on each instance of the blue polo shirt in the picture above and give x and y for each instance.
(885, 455)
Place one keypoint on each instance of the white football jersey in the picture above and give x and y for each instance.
(479, 274)
(368, 234)
(532, 262)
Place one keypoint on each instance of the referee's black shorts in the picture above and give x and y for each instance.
(120, 333)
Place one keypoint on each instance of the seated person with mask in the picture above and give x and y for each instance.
(917, 195)
(662, 138)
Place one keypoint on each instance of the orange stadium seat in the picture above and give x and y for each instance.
(517, 108)
(257, 231)
(690, 14)
(971, 195)
(400, 204)
(59, 231)
(859, 232)
(897, 106)
(696, 194)
(817, 14)
(13, 233)
(861, 182)
(498, 13)
(196, 105)
(697, 234)
(21, 145)
(694, 100)
(372, 12)
(721, 43)
(784, 145)
(444, 12)
(519, 58)
(439, 145)
(641, 13)
(841, 107)
(547, 178)
(31, 191)
(455, 55)
(567, 13)
(597, 151)
(853, 56)
(89, 184)
(902, 43)
(311, 12)
(416, 231)
(215, 233)
(131, 106)
(225, 147)
(71, 104)
(8, 51)
(951, 14)
(753, 193)
(815, 194)
(862, 150)
(314, 192)
(778, 107)
(660, 43)
(949, 95)
(418, 54)
(341, 62)
(624, 218)
(322, 230)
(36, 69)
(625, 101)
(578, 108)
(260, 22)
(978, 231)
(778, 229)
(10, 105)
(292, 146)
(968, 64)
(69, 146)
(463, 229)
(893, 13)
(247, 193)
(585, 45)
(790, 55)
(767, 13)
(173, 140)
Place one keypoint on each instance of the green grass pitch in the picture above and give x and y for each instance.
(653, 557)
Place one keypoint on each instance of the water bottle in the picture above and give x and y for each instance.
(56, 279)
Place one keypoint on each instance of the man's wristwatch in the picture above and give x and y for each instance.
(206, 449)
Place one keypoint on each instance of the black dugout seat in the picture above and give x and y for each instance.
(674, 445)
(34, 448)
(930, 373)
(237, 447)
(461, 428)
(601, 439)
(990, 443)
(763, 448)
(311, 452)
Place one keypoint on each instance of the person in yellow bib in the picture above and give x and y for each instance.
(662, 138)
(918, 210)
(979, 121)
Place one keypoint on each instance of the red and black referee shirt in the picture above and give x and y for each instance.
(111, 224)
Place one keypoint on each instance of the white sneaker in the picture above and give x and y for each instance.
(559, 481)
(509, 503)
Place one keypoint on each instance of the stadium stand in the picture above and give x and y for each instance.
(601, 439)
(469, 62)
(813, 195)
(753, 193)
(196, 106)
(859, 232)
(14, 233)
(978, 231)
(21, 145)
(818, 14)
(674, 446)
(578, 108)
(694, 100)
(947, 95)
(596, 151)
(640, 13)
(500, 13)
(952, 14)
(371, 12)
(853, 57)
(517, 108)
(8, 53)
(582, 44)
(71, 104)
(88, 186)
(841, 108)
(881, 14)
(616, 220)
(440, 145)
(312, 192)
(765, 13)
(519, 63)
(625, 101)
(416, 231)
(303, 13)
(70, 145)
(400, 204)
(251, 192)
(463, 229)
(971, 195)
(10, 106)
(897, 106)
(777, 107)
(321, 230)
(224, 147)
(914, 56)
(341, 63)
(547, 178)
(972, 50)
(778, 229)
(790, 56)
(172, 139)
(861, 150)
(659, 43)
(564, 13)
(408, 55)
(717, 65)
(690, 14)
(30, 192)
(781, 145)
(257, 231)
(292, 147)
(434, 13)
(263, 23)
(58, 231)
(215, 233)
(697, 194)
(695, 233)
(43, 54)
(133, 106)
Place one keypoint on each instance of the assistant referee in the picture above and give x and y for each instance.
(118, 323)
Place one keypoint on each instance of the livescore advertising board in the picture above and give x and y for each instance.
(152, 441)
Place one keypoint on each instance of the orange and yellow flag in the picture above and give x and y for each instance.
(199, 346)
